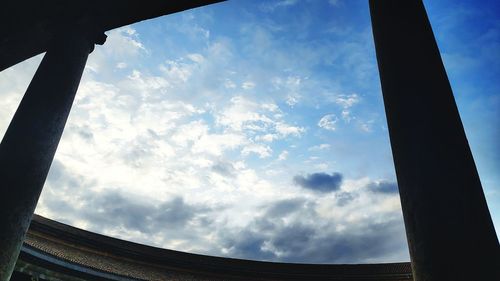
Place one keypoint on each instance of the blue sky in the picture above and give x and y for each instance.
(256, 129)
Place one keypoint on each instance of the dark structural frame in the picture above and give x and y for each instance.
(449, 229)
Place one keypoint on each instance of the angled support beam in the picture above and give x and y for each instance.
(449, 229)
(29, 145)
(28, 26)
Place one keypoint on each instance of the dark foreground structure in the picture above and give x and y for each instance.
(448, 225)
(55, 251)
(449, 228)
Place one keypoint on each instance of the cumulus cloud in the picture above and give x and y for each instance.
(384, 187)
(283, 155)
(285, 130)
(291, 231)
(177, 71)
(248, 117)
(263, 151)
(344, 198)
(159, 149)
(347, 101)
(321, 182)
(71, 197)
(217, 144)
(328, 122)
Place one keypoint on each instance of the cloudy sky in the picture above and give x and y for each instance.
(256, 129)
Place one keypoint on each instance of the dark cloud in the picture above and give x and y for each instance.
(138, 151)
(85, 133)
(58, 174)
(384, 187)
(289, 230)
(344, 198)
(321, 182)
(284, 207)
(115, 209)
(305, 237)
(225, 169)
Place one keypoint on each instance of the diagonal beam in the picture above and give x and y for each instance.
(31, 140)
(28, 26)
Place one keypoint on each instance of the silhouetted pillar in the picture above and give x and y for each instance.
(29, 145)
(448, 225)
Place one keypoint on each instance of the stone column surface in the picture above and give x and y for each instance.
(449, 229)
(31, 140)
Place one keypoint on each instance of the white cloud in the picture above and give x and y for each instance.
(346, 116)
(271, 6)
(270, 107)
(267, 137)
(291, 85)
(198, 58)
(285, 130)
(122, 44)
(367, 126)
(248, 85)
(322, 167)
(190, 132)
(292, 100)
(322, 146)
(144, 84)
(328, 122)
(124, 40)
(216, 144)
(283, 155)
(347, 101)
(121, 65)
(176, 71)
(244, 115)
(263, 151)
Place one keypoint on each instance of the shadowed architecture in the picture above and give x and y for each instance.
(55, 250)
(28, 27)
(447, 221)
(446, 217)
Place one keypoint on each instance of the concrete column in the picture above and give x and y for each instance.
(29, 145)
(448, 225)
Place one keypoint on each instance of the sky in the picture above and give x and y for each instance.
(256, 130)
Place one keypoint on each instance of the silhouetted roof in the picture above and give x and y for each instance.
(58, 248)
(27, 27)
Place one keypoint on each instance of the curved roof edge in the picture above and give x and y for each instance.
(55, 248)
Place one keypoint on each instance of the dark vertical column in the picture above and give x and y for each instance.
(448, 225)
(30, 142)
